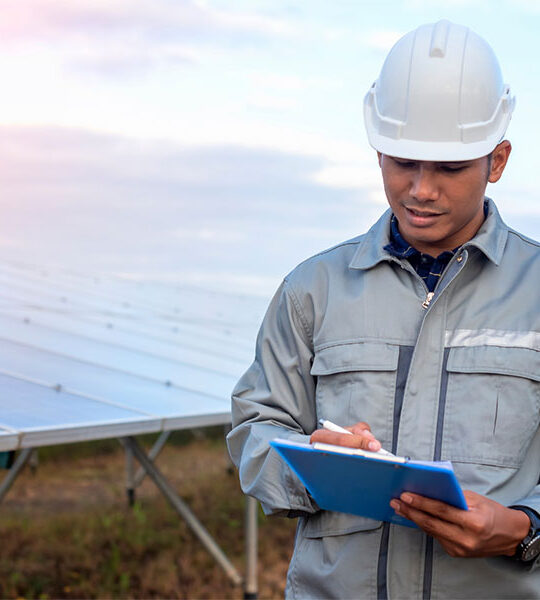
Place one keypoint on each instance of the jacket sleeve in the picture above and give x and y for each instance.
(532, 501)
(275, 398)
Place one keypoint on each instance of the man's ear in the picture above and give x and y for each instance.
(499, 159)
(379, 158)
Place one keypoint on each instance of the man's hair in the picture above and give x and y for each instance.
(489, 160)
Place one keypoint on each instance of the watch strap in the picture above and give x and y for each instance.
(533, 533)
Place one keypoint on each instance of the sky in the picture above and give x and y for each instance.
(217, 143)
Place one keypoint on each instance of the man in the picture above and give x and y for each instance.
(422, 336)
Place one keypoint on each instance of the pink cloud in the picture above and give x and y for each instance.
(31, 19)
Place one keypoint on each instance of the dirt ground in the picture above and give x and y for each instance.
(66, 530)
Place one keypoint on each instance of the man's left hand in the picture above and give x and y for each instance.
(486, 529)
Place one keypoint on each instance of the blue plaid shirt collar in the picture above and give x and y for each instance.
(429, 268)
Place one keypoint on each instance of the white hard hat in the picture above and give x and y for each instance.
(440, 96)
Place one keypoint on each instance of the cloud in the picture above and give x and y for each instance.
(381, 40)
(530, 6)
(63, 154)
(154, 209)
(290, 83)
(448, 4)
(172, 19)
(272, 102)
(278, 91)
(226, 216)
(347, 176)
(205, 234)
(120, 60)
(126, 37)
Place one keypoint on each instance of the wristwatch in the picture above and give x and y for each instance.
(529, 547)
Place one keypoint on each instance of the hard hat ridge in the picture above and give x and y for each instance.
(440, 96)
(439, 38)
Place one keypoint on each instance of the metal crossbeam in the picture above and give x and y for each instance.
(134, 480)
(153, 453)
(16, 468)
(183, 510)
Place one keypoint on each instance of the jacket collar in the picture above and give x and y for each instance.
(490, 239)
(371, 250)
(492, 235)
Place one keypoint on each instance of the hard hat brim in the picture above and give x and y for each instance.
(438, 151)
(432, 151)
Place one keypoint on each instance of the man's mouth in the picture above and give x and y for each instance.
(423, 213)
(421, 218)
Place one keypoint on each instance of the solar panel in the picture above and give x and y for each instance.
(225, 313)
(90, 357)
(186, 347)
(164, 370)
(60, 372)
(44, 416)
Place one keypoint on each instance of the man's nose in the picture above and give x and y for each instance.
(424, 185)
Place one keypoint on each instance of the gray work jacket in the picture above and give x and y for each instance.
(349, 337)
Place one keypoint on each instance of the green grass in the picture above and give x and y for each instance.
(67, 532)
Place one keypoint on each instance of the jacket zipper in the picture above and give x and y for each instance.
(428, 556)
(429, 297)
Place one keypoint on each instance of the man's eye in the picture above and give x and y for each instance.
(405, 164)
(453, 168)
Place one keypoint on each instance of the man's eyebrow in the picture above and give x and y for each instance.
(455, 163)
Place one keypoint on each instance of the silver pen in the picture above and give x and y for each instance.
(325, 424)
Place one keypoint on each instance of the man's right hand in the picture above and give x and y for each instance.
(361, 437)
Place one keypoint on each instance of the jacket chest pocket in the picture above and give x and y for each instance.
(356, 382)
(492, 404)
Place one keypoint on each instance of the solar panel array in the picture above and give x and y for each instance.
(85, 357)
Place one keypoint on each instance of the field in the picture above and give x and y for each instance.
(66, 530)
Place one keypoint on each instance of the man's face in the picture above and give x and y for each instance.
(439, 205)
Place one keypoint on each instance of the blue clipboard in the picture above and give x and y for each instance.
(364, 485)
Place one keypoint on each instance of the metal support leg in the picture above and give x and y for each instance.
(33, 461)
(152, 455)
(183, 510)
(250, 589)
(16, 468)
(130, 477)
